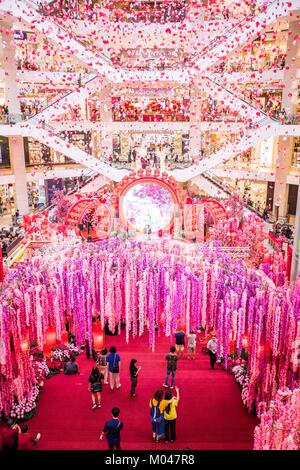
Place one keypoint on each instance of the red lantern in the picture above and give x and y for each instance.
(50, 341)
(231, 347)
(98, 336)
(65, 338)
(231, 343)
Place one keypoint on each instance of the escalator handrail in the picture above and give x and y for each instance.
(62, 97)
(35, 6)
(230, 31)
(216, 82)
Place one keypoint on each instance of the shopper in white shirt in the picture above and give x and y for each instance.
(212, 351)
(192, 345)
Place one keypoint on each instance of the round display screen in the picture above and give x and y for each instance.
(148, 207)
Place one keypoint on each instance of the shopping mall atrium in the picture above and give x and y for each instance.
(149, 203)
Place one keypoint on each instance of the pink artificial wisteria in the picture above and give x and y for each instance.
(149, 286)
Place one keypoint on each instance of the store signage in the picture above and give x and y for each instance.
(151, 53)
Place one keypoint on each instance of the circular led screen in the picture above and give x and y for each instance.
(148, 204)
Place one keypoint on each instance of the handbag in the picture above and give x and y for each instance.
(115, 368)
(96, 387)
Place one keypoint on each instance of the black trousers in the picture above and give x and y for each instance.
(212, 359)
(170, 429)
(134, 381)
(114, 446)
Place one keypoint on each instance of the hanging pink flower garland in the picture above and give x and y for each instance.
(149, 285)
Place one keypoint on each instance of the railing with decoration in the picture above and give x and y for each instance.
(212, 78)
(234, 29)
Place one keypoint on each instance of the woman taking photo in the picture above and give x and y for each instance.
(168, 406)
(157, 416)
(95, 386)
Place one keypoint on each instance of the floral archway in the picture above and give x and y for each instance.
(148, 198)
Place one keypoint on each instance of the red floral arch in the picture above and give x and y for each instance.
(147, 176)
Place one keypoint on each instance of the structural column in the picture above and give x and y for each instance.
(195, 118)
(106, 148)
(16, 147)
(289, 102)
(284, 147)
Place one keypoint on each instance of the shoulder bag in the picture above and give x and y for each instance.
(115, 369)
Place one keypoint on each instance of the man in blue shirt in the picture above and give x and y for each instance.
(113, 360)
(112, 430)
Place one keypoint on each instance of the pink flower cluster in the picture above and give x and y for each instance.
(247, 232)
(41, 370)
(279, 428)
(239, 373)
(64, 354)
(26, 405)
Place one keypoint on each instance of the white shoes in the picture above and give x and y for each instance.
(37, 438)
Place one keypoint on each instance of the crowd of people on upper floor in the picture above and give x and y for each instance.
(211, 110)
(163, 157)
(156, 12)
(251, 64)
(130, 10)
(10, 235)
(4, 114)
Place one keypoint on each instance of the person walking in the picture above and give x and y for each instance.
(212, 351)
(112, 430)
(157, 416)
(134, 371)
(168, 406)
(179, 342)
(101, 361)
(114, 361)
(171, 359)
(95, 386)
(192, 337)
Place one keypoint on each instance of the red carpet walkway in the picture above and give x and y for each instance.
(210, 413)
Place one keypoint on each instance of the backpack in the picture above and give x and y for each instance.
(155, 413)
